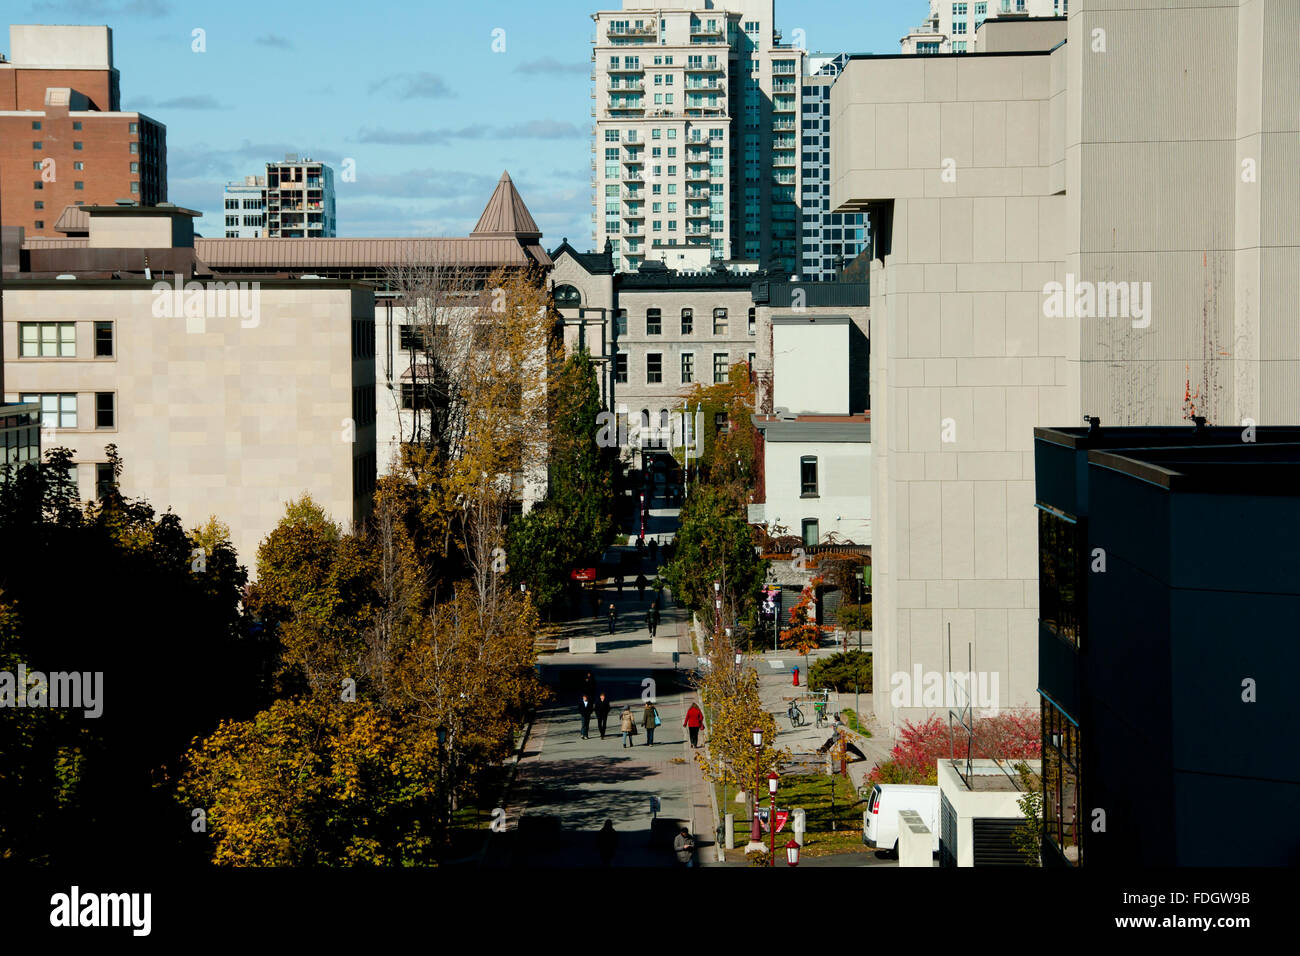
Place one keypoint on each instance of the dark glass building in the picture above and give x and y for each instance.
(1169, 641)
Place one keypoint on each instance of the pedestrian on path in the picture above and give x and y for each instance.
(584, 709)
(627, 723)
(684, 847)
(654, 552)
(612, 616)
(650, 720)
(620, 584)
(606, 842)
(652, 619)
(602, 714)
(641, 583)
(693, 722)
(589, 685)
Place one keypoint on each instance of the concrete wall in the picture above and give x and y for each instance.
(61, 47)
(212, 417)
(811, 374)
(970, 805)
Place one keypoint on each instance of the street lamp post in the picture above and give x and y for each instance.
(772, 780)
(756, 835)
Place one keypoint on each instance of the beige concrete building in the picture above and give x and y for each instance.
(224, 398)
(1106, 228)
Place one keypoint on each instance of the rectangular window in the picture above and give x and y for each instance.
(39, 204)
(103, 340)
(76, 144)
(47, 339)
(80, 165)
(688, 367)
(133, 128)
(135, 148)
(36, 144)
(135, 187)
(417, 395)
(76, 125)
(36, 124)
(620, 323)
(719, 367)
(719, 321)
(78, 184)
(653, 322)
(409, 337)
(58, 410)
(811, 534)
(1058, 576)
(620, 368)
(654, 368)
(104, 480)
(752, 322)
(688, 321)
(808, 476)
(104, 414)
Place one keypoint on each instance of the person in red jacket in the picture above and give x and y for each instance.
(693, 722)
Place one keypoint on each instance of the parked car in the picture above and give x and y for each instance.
(880, 822)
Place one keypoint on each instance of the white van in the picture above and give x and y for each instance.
(880, 822)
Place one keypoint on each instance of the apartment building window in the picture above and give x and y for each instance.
(620, 323)
(959, 27)
(135, 187)
(232, 220)
(653, 322)
(719, 321)
(80, 185)
(39, 224)
(39, 204)
(620, 368)
(719, 367)
(751, 321)
(103, 340)
(654, 368)
(811, 533)
(135, 148)
(36, 124)
(104, 412)
(80, 165)
(47, 339)
(76, 125)
(417, 395)
(230, 203)
(688, 367)
(808, 476)
(36, 144)
(58, 409)
(688, 321)
(133, 128)
(105, 481)
(76, 144)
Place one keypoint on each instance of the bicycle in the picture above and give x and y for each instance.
(819, 709)
(796, 716)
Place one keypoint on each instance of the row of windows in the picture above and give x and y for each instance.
(654, 322)
(59, 409)
(59, 340)
(654, 368)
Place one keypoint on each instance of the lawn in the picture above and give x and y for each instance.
(828, 831)
(851, 719)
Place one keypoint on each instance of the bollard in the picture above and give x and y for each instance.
(730, 819)
(798, 820)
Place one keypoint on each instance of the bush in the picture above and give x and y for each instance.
(842, 672)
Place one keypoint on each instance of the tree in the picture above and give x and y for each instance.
(715, 543)
(855, 617)
(728, 455)
(804, 633)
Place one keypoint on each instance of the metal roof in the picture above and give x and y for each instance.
(291, 254)
(506, 214)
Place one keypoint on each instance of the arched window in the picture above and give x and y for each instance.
(567, 297)
(645, 419)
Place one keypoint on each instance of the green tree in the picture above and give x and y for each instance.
(715, 543)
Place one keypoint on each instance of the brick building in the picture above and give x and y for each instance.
(64, 139)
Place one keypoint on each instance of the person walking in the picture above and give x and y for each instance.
(693, 722)
(606, 842)
(650, 720)
(627, 723)
(589, 685)
(584, 709)
(612, 616)
(602, 714)
(620, 584)
(654, 552)
(684, 847)
(641, 583)
(652, 619)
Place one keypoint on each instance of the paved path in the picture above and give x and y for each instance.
(567, 787)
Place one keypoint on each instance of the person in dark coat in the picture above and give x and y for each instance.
(654, 551)
(613, 615)
(641, 583)
(606, 842)
(602, 714)
(589, 685)
(648, 722)
(584, 709)
(652, 619)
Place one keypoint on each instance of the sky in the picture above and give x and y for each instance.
(414, 93)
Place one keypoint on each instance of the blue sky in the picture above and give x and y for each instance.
(412, 92)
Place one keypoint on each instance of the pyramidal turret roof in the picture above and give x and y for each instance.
(506, 214)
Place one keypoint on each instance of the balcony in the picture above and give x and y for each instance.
(783, 104)
(783, 86)
(634, 211)
(617, 111)
(717, 85)
(699, 212)
(783, 179)
(783, 159)
(699, 231)
(698, 194)
(697, 174)
(642, 32)
(713, 29)
(627, 67)
(629, 87)
(633, 160)
(705, 68)
(780, 124)
(784, 142)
